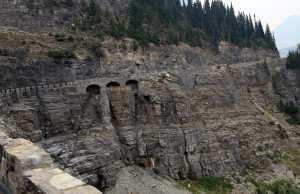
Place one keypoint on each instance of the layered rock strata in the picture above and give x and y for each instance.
(211, 126)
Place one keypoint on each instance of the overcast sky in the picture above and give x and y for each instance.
(272, 12)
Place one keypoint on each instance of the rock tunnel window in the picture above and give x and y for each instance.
(112, 84)
(132, 83)
(93, 89)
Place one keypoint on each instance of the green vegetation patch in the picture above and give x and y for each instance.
(283, 186)
(291, 159)
(243, 172)
(274, 79)
(220, 185)
(192, 187)
(207, 184)
(278, 187)
(96, 48)
(282, 132)
(292, 110)
(59, 55)
(60, 37)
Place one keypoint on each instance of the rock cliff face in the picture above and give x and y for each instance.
(183, 119)
(184, 112)
(44, 16)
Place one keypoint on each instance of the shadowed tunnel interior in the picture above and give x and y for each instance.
(93, 89)
(112, 84)
(132, 83)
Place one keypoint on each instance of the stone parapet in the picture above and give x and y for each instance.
(26, 168)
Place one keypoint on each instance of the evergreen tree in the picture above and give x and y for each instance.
(242, 25)
(293, 59)
(207, 17)
(233, 26)
(172, 36)
(92, 8)
(274, 42)
(250, 27)
(69, 3)
(183, 5)
(189, 9)
(259, 30)
(197, 16)
(269, 38)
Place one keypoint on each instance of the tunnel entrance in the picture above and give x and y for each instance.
(132, 83)
(112, 84)
(93, 89)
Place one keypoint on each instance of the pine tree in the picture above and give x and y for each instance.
(207, 16)
(250, 28)
(274, 42)
(69, 3)
(183, 5)
(197, 15)
(269, 37)
(233, 26)
(242, 25)
(92, 8)
(189, 9)
(293, 59)
(260, 31)
(172, 36)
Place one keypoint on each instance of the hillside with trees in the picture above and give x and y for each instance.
(171, 22)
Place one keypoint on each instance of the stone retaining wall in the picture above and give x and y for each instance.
(26, 168)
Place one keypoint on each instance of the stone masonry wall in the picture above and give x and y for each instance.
(26, 168)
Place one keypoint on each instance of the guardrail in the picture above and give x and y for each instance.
(32, 87)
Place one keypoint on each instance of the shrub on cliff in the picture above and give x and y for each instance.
(69, 3)
(292, 110)
(59, 55)
(96, 48)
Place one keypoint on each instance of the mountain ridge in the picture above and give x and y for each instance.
(287, 33)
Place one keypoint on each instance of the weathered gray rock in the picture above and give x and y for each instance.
(210, 127)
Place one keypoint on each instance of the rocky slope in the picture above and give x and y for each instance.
(44, 16)
(189, 113)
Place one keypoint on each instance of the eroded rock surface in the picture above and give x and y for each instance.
(209, 127)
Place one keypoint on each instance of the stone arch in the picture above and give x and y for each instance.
(93, 89)
(112, 84)
(133, 83)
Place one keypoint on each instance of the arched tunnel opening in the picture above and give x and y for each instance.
(133, 84)
(112, 84)
(93, 89)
